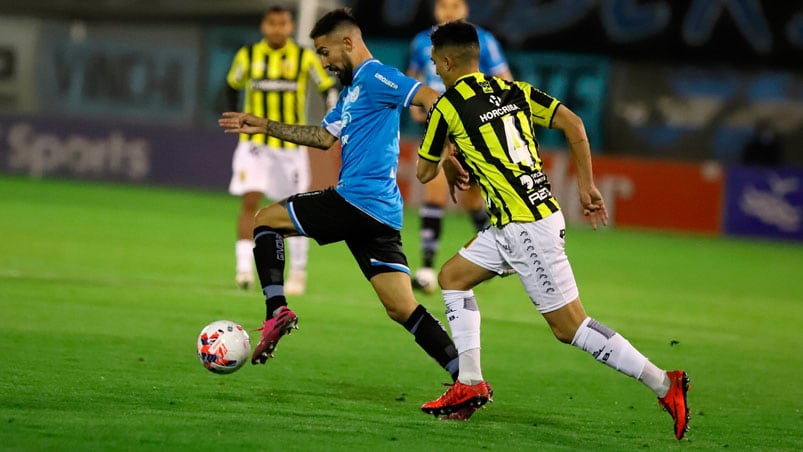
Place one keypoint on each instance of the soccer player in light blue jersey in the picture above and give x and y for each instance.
(365, 208)
(436, 193)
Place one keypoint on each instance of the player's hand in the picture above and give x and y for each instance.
(236, 122)
(456, 175)
(593, 206)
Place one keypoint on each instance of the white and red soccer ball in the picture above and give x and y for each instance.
(223, 347)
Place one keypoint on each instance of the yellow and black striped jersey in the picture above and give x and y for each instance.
(492, 121)
(275, 83)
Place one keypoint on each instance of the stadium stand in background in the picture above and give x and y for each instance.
(670, 91)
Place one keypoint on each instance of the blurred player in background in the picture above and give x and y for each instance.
(274, 74)
(436, 193)
(492, 123)
(365, 209)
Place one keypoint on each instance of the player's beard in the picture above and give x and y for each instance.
(346, 75)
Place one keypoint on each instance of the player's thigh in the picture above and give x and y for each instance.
(249, 170)
(276, 216)
(459, 273)
(536, 251)
(250, 201)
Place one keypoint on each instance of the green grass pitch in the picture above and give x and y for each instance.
(104, 289)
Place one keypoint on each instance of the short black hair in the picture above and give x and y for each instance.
(331, 21)
(457, 33)
(275, 9)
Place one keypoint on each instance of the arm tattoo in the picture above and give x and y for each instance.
(315, 136)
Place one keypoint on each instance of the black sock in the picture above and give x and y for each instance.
(479, 218)
(432, 337)
(431, 219)
(269, 259)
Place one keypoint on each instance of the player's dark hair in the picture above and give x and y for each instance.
(332, 20)
(279, 9)
(458, 33)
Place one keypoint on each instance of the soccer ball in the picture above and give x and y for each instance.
(223, 347)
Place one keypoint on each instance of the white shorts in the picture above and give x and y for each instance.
(277, 173)
(536, 252)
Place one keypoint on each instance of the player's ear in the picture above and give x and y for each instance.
(449, 62)
(348, 43)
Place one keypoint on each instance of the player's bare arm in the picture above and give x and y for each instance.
(418, 114)
(314, 135)
(426, 170)
(425, 98)
(573, 129)
(456, 175)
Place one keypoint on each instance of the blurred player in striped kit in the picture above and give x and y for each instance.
(274, 75)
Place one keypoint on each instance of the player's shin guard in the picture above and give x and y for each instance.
(430, 234)
(432, 337)
(609, 347)
(463, 315)
(269, 259)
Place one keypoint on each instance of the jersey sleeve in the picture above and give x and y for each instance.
(437, 131)
(542, 105)
(332, 122)
(492, 59)
(238, 72)
(320, 77)
(392, 88)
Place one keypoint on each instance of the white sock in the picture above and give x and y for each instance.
(609, 347)
(298, 247)
(244, 255)
(655, 379)
(470, 369)
(463, 316)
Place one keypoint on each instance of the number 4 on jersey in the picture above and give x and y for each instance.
(516, 145)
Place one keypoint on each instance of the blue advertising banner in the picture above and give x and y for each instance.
(764, 202)
(579, 81)
(142, 73)
(693, 113)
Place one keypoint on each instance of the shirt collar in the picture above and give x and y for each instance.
(288, 45)
(362, 65)
(477, 75)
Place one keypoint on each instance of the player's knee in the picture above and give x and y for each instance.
(563, 335)
(396, 314)
(399, 311)
(450, 278)
(263, 217)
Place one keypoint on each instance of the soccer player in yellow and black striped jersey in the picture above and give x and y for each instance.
(274, 75)
(492, 123)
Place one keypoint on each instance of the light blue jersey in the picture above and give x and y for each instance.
(366, 119)
(492, 60)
